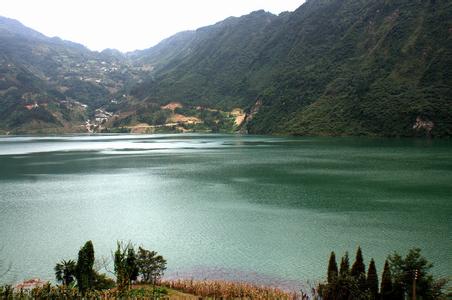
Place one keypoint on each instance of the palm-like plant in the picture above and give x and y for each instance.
(65, 271)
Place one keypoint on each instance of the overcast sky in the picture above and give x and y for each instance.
(129, 24)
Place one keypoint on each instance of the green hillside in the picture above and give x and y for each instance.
(51, 85)
(329, 68)
(332, 67)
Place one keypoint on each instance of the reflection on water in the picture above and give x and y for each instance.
(263, 209)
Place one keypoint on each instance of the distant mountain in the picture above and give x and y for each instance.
(48, 84)
(165, 51)
(332, 67)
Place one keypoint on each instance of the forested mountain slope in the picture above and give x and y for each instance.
(48, 84)
(332, 67)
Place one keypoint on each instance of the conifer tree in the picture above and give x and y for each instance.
(345, 265)
(332, 268)
(372, 280)
(358, 270)
(358, 267)
(84, 269)
(386, 283)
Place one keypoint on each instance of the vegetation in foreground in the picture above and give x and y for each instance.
(403, 278)
(213, 289)
(138, 275)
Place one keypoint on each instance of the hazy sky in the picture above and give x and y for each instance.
(129, 24)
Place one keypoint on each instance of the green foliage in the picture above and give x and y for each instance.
(399, 275)
(374, 71)
(128, 265)
(102, 282)
(86, 92)
(343, 288)
(157, 118)
(122, 278)
(63, 292)
(116, 130)
(358, 270)
(125, 266)
(93, 285)
(216, 121)
(84, 269)
(6, 292)
(332, 268)
(329, 68)
(358, 267)
(131, 264)
(386, 288)
(413, 269)
(345, 265)
(372, 280)
(342, 285)
(150, 265)
(50, 71)
(65, 272)
(147, 293)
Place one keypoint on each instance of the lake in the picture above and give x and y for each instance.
(262, 209)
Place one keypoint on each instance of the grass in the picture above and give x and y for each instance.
(214, 289)
(167, 290)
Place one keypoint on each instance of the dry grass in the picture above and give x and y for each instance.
(175, 290)
(228, 290)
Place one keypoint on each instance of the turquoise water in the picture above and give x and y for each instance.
(222, 206)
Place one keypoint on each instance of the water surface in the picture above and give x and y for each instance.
(223, 206)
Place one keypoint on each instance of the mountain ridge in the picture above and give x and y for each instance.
(352, 67)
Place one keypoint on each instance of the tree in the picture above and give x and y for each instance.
(358, 270)
(65, 272)
(151, 265)
(386, 283)
(160, 267)
(119, 258)
(402, 276)
(343, 288)
(131, 265)
(358, 267)
(345, 265)
(411, 274)
(84, 269)
(332, 268)
(125, 263)
(372, 280)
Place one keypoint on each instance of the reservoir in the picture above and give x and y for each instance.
(255, 208)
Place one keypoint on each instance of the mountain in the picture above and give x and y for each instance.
(332, 67)
(329, 68)
(48, 84)
(213, 66)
